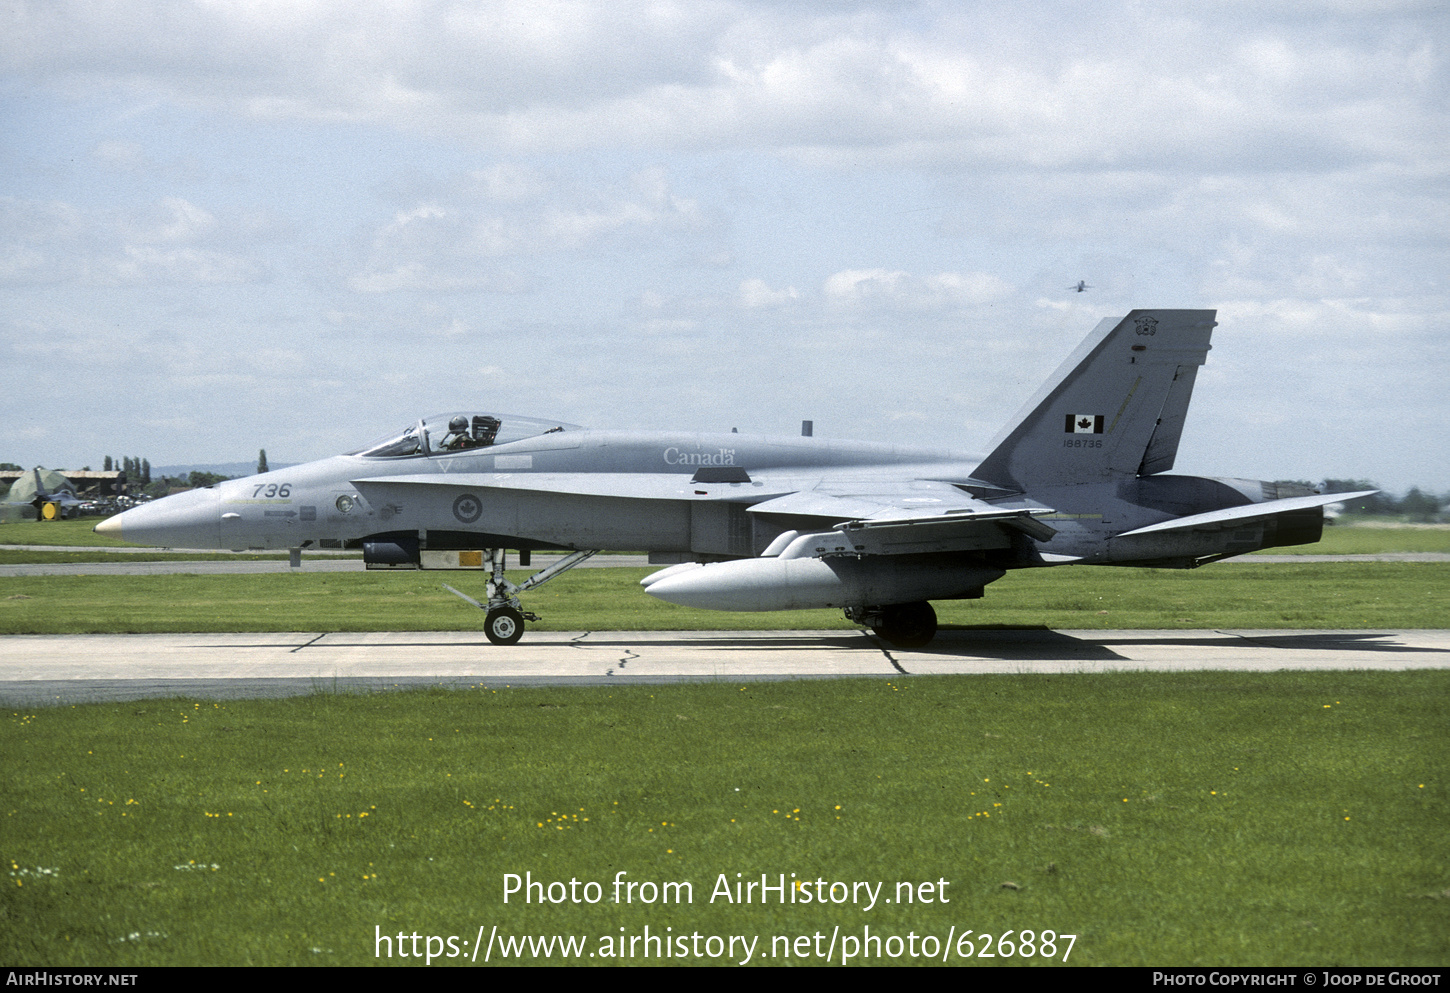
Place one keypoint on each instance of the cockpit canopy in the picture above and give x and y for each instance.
(459, 431)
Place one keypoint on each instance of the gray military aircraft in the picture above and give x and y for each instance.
(1078, 476)
(32, 498)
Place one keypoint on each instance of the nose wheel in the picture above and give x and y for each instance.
(504, 626)
(503, 622)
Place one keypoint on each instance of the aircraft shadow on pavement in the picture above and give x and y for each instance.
(1319, 641)
(1012, 645)
(1045, 644)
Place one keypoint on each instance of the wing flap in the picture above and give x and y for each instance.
(870, 499)
(922, 535)
(966, 531)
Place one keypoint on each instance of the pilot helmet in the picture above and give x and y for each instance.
(458, 425)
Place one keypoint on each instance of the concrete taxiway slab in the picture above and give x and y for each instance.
(53, 669)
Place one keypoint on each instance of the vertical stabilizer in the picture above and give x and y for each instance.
(1114, 409)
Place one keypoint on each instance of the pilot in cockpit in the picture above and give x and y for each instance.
(458, 437)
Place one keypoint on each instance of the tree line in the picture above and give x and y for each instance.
(1416, 504)
(137, 470)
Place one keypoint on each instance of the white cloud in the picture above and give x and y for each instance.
(951, 85)
(857, 284)
(942, 290)
(755, 294)
(173, 241)
(479, 232)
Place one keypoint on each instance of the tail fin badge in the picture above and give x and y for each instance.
(1146, 325)
(1084, 423)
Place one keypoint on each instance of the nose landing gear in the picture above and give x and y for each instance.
(505, 625)
(504, 619)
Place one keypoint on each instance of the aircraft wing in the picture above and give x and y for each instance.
(910, 517)
(1216, 520)
(962, 532)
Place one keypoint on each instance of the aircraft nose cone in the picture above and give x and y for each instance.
(186, 520)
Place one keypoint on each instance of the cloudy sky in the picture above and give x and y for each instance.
(296, 225)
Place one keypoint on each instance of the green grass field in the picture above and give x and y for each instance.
(76, 532)
(1289, 595)
(1212, 819)
(1368, 539)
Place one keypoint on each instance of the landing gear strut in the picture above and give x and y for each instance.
(504, 620)
(902, 625)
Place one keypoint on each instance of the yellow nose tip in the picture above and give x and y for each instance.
(110, 526)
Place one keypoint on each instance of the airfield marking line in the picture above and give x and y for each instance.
(310, 643)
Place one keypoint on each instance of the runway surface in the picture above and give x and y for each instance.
(49, 670)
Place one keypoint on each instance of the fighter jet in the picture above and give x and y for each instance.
(1081, 285)
(1078, 476)
(43, 495)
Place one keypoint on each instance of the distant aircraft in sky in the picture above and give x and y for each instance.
(1078, 476)
(1081, 285)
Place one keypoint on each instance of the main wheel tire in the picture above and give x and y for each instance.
(907, 625)
(504, 626)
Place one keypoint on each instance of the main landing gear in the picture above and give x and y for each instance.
(902, 625)
(504, 620)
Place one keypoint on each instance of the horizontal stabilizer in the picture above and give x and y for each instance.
(1234, 516)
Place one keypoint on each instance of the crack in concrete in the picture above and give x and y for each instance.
(886, 652)
(630, 656)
